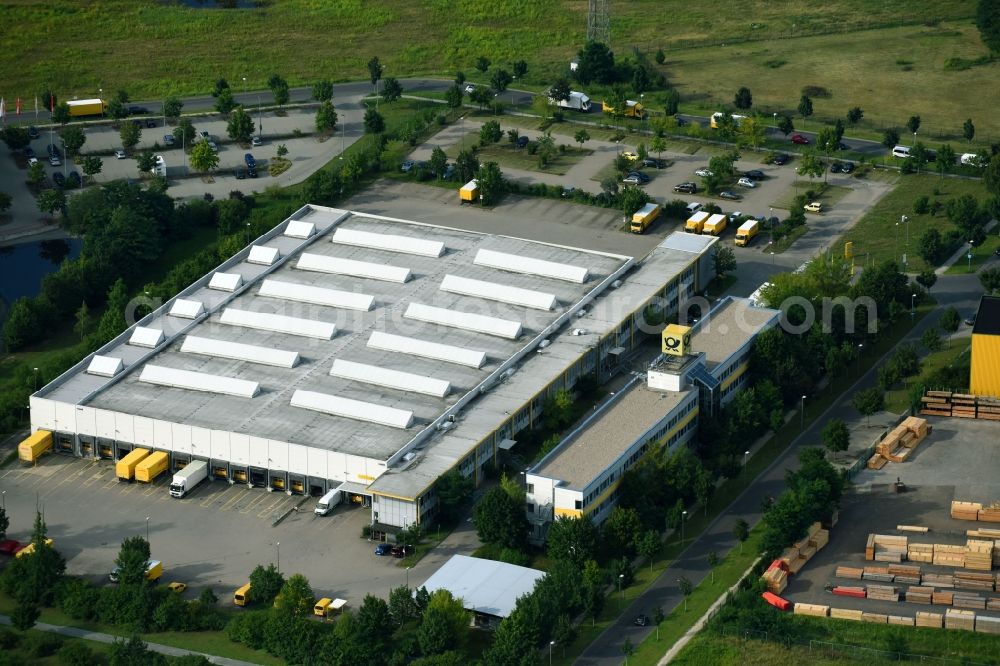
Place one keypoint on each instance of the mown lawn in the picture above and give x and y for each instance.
(897, 400)
(877, 235)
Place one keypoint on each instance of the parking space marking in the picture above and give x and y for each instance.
(266, 511)
(236, 498)
(249, 506)
(208, 501)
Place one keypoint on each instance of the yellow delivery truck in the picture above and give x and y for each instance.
(242, 596)
(633, 109)
(696, 222)
(469, 192)
(125, 468)
(715, 225)
(86, 107)
(644, 217)
(34, 446)
(152, 466)
(746, 232)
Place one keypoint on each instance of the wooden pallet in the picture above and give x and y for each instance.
(933, 620)
(846, 614)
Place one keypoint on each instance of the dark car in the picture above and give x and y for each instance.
(251, 162)
(252, 172)
(137, 123)
(686, 188)
(29, 152)
(59, 179)
(33, 132)
(732, 196)
(401, 550)
(522, 141)
(641, 621)
(169, 140)
(137, 110)
(569, 191)
(847, 167)
(150, 123)
(970, 321)
(756, 174)
(636, 178)
(53, 151)
(654, 163)
(9, 547)
(780, 159)
(836, 167)
(799, 139)
(383, 549)
(73, 179)
(240, 174)
(449, 172)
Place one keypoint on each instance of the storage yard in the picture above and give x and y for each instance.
(924, 554)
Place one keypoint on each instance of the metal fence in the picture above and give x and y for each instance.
(856, 653)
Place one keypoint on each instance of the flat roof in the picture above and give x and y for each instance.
(727, 327)
(603, 438)
(484, 586)
(270, 414)
(988, 316)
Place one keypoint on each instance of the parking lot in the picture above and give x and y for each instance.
(215, 536)
(957, 461)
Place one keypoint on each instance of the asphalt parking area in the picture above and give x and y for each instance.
(213, 537)
(956, 462)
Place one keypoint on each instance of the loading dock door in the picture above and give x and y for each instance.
(258, 477)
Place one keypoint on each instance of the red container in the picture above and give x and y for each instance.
(777, 602)
(847, 592)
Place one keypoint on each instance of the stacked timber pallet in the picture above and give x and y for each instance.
(949, 556)
(846, 614)
(850, 591)
(920, 552)
(988, 408)
(963, 405)
(988, 625)
(900, 443)
(936, 403)
(979, 554)
(905, 573)
(967, 580)
(993, 604)
(919, 595)
(938, 579)
(880, 574)
(965, 510)
(885, 548)
(874, 618)
(989, 514)
(968, 600)
(811, 609)
(854, 573)
(901, 620)
(933, 620)
(776, 580)
(882, 593)
(959, 619)
(942, 598)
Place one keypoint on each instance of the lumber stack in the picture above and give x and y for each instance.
(877, 573)
(877, 462)
(963, 405)
(938, 580)
(946, 555)
(920, 552)
(905, 573)
(959, 619)
(846, 614)
(912, 528)
(968, 600)
(874, 618)
(988, 408)
(849, 591)
(979, 554)
(968, 580)
(811, 609)
(901, 620)
(993, 604)
(933, 620)
(965, 510)
(936, 403)
(853, 573)
(989, 514)
(988, 625)
(776, 580)
(885, 548)
(942, 598)
(919, 595)
(882, 593)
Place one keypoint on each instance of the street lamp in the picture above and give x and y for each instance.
(621, 577)
(802, 414)
(248, 233)
(860, 347)
(551, 644)
(36, 379)
(683, 520)
(746, 454)
(969, 255)
(244, 86)
(147, 529)
(408, 577)
(772, 257)
(913, 311)
(277, 555)
(3, 500)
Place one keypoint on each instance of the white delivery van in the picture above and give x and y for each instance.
(901, 151)
(328, 502)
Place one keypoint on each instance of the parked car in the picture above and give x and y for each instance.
(73, 179)
(251, 162)
(970, 321)
(799, 139)
(256, 141)
(470, 87)
(401, 550)
(568, 192)
(406, 166)
(703, 173)
(641, 621)
(629, 155)
(168, 140)
(847, 167)
(29, 152)
(33, 132)
(654, 163)
(177, 587)
(755, 174)
(843, 146)
(32, 161)
(746, 182)
(55, 161)
(120, 154)
(686, 188)
(204, 135)
(522, 142)
(732, 196)
(383, 549)
(240, 174)
(836, 167)
(9, 546)
(780, 159)
(213, 146)
(449, 172)
(53, 150)
(137, 110)
(814, 207)
(150, 122)
(59, 179)
(636, 178)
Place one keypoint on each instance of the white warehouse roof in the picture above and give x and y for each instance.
(434, 350)
(519, 264)
(391, 242)
(363, 269)
(239, 351)
(484, 586)
(394, 379)
(468, 321)
(493, 291)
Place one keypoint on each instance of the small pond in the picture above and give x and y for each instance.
(23, 266)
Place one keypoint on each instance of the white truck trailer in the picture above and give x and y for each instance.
(186, 479)
(577, 101)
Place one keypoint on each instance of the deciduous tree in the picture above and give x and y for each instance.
(836, 437)
(913, 124)
(743, 99)
(51, 200)
(500, 520)
(73, 138)
(172, 107)
(61, 113)
(296, 597)
(374, 122)
(483, 63)
(595, 62)
(265, 584)
(869, 401)
(890, 137)
(279, 88)
(225, 102)
(805, 106)
(322, 90)
(326, 117)
(391, 90)
(855, 114)
(785, 124)
(741, 531)
(491, 183)
(203, 158)
(724, 261)
(130, 134)
(490, 132)
(968, 130)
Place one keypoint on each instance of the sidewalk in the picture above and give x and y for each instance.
(960, 253)
(97, 636)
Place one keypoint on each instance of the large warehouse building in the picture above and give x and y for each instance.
(349, 350)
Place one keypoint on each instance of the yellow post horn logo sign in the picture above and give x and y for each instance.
(676, 339)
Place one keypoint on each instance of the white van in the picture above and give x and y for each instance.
(693, 207)
(328, 502)
(901, 151)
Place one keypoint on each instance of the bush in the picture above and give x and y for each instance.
(9, 639)
(76, 653)
(249, 629)
(41, 644)
(922, 205)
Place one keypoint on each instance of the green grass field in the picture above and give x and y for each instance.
(897, 400)
(877, 233)
(80, 46)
